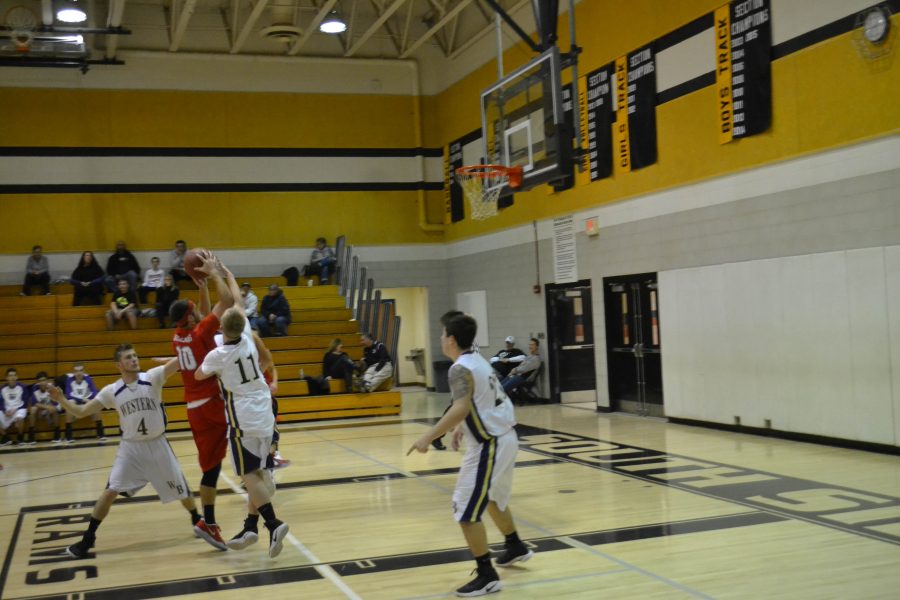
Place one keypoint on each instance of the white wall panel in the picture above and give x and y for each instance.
(892, 292)
(809, 342)
(869, 349)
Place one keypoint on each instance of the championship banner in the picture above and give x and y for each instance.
(595, 95)
(642, 107)
(453, 191)
(621, 139)
(743, 37)
(448, 184)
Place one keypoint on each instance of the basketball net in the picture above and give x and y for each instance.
(482, 185)
(22, 22)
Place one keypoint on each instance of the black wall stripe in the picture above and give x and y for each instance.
(143, 188)
(223, 152)
(683, 89)
(689, 30)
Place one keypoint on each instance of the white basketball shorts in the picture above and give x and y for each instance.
(153, 462)
(485, 475)
(7, 420)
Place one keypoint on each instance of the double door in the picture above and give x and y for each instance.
(633, 344)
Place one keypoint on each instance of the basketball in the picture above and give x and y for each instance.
(192, 260)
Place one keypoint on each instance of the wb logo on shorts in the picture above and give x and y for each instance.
(177, 487)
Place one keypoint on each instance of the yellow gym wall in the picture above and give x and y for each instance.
(92, 118)
(823, 96)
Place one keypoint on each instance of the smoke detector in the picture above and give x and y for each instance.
(281, 33)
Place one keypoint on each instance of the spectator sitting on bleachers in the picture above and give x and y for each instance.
(165, 296)
(508, 358)
(176, 261)
(124, 305)
(87, 281)
(275, 312)
(377, 362)
(14, 402)
(336, 364)
(42, 405)
(122, 265)
(251, 304)
(321, 261)
(79, 389)
(518, 375)
(37, 272)
(153, 280)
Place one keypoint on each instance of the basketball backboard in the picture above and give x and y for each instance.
(523, 123)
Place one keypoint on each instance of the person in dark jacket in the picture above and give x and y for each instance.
(275, 313)
(165, 297)
(377, 359)
(122, 265)
(87, 281)
(336, 364)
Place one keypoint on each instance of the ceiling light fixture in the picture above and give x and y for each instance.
(333, 23)
(70, 11)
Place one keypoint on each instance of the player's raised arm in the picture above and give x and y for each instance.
(224, 294)
(266, 360)
(76, 410)
(170, 367)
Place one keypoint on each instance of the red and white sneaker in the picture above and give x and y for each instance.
(211, 534)
(279, 463)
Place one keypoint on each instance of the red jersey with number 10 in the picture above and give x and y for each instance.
(191, 347)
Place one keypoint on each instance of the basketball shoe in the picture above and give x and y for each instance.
(277, 532)
(487, 582)
(513, 554)
(80, 550)
(245, 537)
(211, 534)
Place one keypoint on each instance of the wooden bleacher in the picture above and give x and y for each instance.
(46, 333)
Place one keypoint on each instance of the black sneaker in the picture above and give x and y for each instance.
(482, 585)
(512, 555)
(438, 444)
(277, 533)
(80, 550)
(245, 537)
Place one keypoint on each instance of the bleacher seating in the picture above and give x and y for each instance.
(46, 333)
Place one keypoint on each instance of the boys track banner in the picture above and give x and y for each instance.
(743, 37)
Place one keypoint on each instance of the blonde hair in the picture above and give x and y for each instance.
(334, 344)
(233, 322)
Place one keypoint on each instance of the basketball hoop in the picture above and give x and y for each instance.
(482, 185)
(22, 22)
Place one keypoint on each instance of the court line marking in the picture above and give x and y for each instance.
(324, 570)
(544, 530)
(526, 584)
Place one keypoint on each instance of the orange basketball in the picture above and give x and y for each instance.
(192, 260)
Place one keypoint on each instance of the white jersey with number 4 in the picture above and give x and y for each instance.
(248, 401)
(142, 416)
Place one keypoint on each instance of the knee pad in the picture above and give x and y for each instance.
(211, 477)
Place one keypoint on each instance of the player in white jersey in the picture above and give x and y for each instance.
(248, 408)
(14, 402)
(80, 389)
(144, 454)
(42, 405)
(484, 417)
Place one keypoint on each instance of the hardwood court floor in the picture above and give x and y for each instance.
(615, 506)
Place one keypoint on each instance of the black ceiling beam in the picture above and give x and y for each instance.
(515, 26)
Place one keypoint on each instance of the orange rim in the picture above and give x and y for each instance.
(513, 174)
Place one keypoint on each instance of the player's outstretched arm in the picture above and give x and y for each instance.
(171, 367)
(76, 410)
(224, 294)
(266, 360)
(462, 386)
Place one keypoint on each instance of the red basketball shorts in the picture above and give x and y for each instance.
(210, 430)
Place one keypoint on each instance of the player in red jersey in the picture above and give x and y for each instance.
(195, 330)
